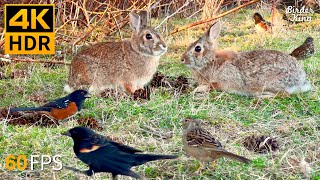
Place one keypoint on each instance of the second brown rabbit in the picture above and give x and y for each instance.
(129, 64)
(261, 73)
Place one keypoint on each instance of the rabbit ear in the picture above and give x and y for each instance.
(144, 18)
(213, 32)
(135, 21)
(138, 21)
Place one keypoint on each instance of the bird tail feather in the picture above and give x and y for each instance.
(133, 174)
(30, 109)
(237, 158)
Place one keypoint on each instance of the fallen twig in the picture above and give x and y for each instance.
(165, 19)
(273, 13)
(211, 19)
(29, 60)
(75, 170)
(157, 133)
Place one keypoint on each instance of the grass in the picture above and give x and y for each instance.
(293, 121)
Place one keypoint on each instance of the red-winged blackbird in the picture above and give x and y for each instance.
(261, 25)
(62, 108)
(105, 155)
(304, 51)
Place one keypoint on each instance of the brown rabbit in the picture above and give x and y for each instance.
(261, 73)
(129, 64)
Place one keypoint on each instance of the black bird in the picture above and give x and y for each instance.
(62, 108)
(105, 155)
(304, 51)
(261, 25)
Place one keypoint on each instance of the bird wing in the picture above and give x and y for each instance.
(60, 103)
(97, 141)
(107, 157)
(125, 148)
(201, 138)
(268, 23)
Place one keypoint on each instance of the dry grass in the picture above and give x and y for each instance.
(294, 121)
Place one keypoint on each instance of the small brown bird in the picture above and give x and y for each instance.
(304, 51)
(203, 146)
(261, 25)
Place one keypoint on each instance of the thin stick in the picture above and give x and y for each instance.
(29, 60)
(214, 18)
(89, 32)
(178, 10)
(75, 170)
(273, 13)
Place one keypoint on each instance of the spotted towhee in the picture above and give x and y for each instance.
(104, 155)
(304, 51)
(261, 25)
(62, 108)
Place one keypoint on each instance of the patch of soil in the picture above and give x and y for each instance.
(2, 76)
(15, 74)
(3, 63)
(176, 84)
(260, 144)
(29, 119)
(179, 83)
(142, 94)
(19, 74)
(90, 123)
(109, 93)
(37, 97)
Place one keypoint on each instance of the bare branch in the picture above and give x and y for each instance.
(29, 60)
(177, 11)
(214, 18)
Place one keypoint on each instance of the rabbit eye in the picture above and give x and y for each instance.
(197, 48)
(148, 36)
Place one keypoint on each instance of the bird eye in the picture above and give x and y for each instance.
(148, 36)
(82, 93)
(197, 48)
(186, 120)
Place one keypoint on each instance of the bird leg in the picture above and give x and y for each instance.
(199, 169)
(114, 176)
(214, 163)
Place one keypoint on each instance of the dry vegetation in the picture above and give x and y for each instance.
(154, 125)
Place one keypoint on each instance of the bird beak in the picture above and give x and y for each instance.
(66, 134)
(88, 95)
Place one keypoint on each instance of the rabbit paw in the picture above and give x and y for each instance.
(202, 89)
(130, 87)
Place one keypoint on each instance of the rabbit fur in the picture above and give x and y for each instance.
(260, 73)
(129, 64)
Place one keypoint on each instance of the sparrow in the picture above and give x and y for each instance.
(201, 145)
(102, 154)
(304, 51)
